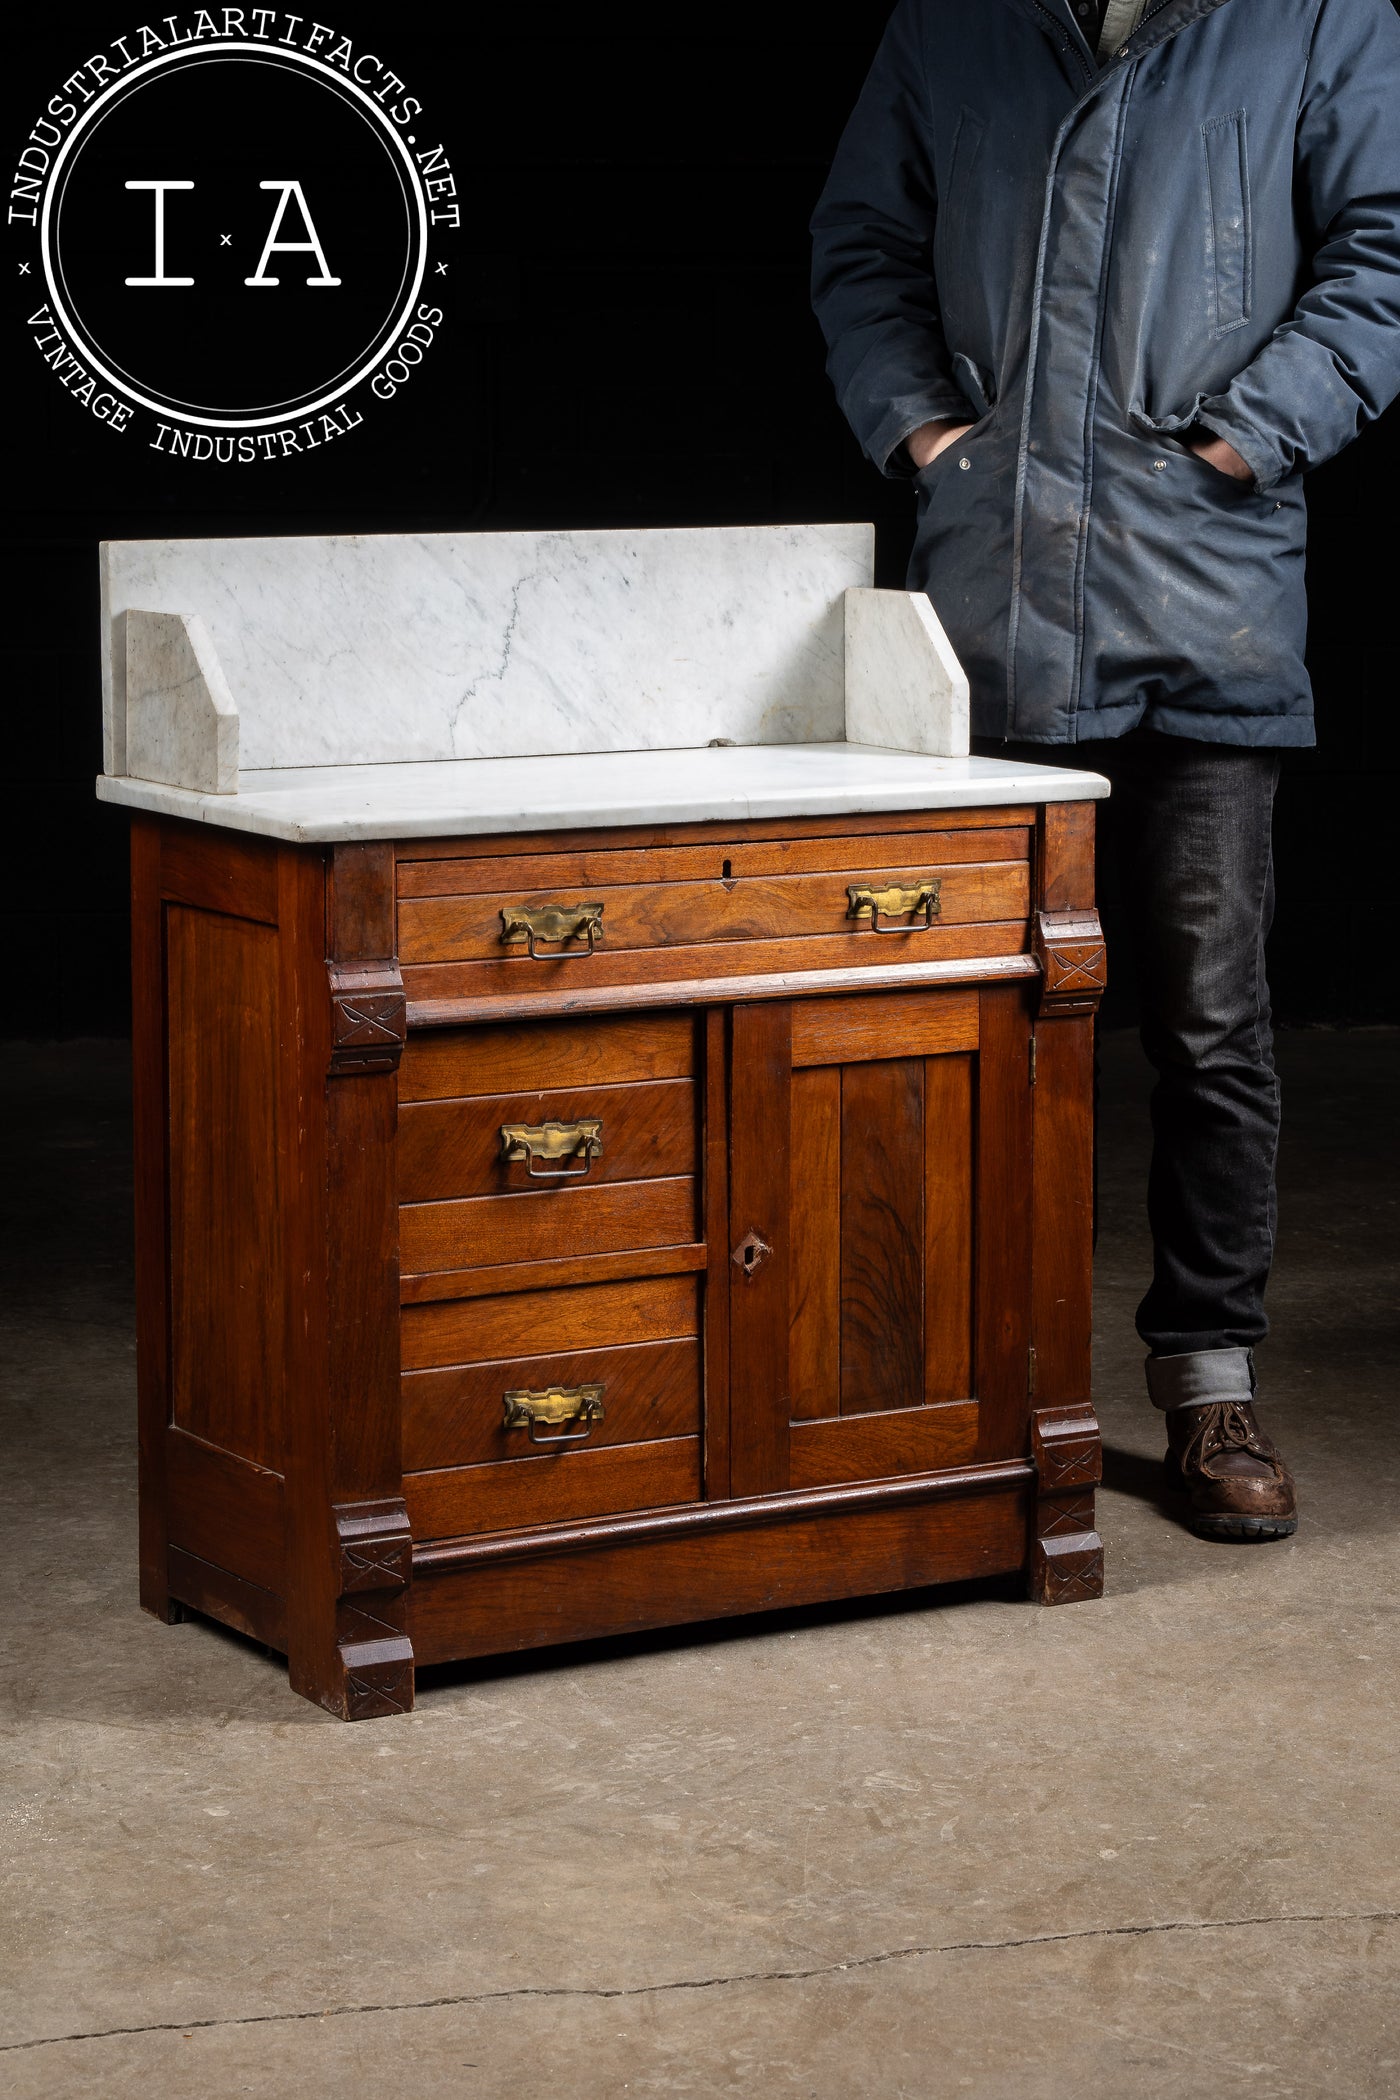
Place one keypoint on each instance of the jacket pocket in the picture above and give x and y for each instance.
(950, 234)
(1229, 228)
(977, 383)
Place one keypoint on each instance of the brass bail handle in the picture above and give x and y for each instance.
(554, 1141)
(557, 923)
(894, 903)
(555, 1403)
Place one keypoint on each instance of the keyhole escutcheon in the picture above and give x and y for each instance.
(751, 1253)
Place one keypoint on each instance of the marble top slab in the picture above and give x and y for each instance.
(372, 650)
(331, 803)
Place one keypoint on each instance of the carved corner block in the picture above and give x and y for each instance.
(375, 1568)
(369, 1017)
(1067, 1552)
(376, 1546)
(1066, 1448)
(1067, 1571)
(1069, 946)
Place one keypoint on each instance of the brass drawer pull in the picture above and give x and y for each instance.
(894, 903)
(552, 922)
(531, 1141)
(557, 1403)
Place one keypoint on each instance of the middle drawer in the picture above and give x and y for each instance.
(548, 1172)
(469, 1202)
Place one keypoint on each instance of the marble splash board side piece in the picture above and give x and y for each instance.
(404, 647)
(181, 725)
(905, 689)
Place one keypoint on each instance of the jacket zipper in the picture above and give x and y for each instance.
(1093, 76)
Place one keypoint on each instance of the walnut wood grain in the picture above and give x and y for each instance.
(882, 1221)
(455, 1417)
(548, 1488)
(1063, 1210)
(877, 1446)
(1065, 856)
(348, 1646)
(760, 1303)
(519, 1055)
(588, 1316)
(152, 1222)
(227, 1305)
(727, 1560)
(427, 1010)
(200, 1586)
(226, 1510)
(586, 839)
(806, 960)
(950, 1212)
(529, 1226)
(726, 860)
(683, 915)
(814, 1207)
(633, 1262)
(715, 1424)
(760, 1513)
(1003, 1229)
(216, 871)
(845, 1031)
(453, 1148)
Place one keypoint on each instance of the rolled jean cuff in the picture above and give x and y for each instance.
(1204, 1376)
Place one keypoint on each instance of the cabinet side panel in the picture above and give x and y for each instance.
(148, 1040)
(226, 1309)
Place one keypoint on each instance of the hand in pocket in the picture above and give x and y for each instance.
(1223, 457)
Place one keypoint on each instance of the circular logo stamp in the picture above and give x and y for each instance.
(230, 225)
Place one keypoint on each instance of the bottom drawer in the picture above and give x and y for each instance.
(467, 1468)
(557, 1488)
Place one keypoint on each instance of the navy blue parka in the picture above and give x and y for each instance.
(1086, 264)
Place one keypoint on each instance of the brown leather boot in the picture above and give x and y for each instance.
(1239, 1486)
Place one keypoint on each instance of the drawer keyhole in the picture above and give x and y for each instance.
(750, 1254)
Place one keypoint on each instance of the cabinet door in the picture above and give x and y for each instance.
(880, 1211)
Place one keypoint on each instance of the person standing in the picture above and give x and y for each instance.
(1104, 279)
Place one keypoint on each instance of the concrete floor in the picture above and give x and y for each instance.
(950, 1845)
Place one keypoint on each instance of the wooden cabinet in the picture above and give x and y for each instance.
(546, 1237)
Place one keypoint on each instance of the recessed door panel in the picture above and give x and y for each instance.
(883, 1331)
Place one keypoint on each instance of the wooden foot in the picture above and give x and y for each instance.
(1067, 1553)
(374, 1652)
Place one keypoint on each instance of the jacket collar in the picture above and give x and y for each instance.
(1162, 20)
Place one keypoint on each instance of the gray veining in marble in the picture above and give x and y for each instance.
(905, 689)
(181, 722)
(381, 650)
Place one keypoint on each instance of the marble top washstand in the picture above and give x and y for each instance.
(423, 685)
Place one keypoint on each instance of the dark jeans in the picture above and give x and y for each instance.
(1186, 867)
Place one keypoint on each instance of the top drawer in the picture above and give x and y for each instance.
(468, 926)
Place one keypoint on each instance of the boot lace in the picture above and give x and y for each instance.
(1225, 1426)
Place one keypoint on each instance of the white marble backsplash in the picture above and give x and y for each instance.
(381, 650)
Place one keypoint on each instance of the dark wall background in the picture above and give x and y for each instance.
(627, 341)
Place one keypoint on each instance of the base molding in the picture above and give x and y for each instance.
(723, 1560)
